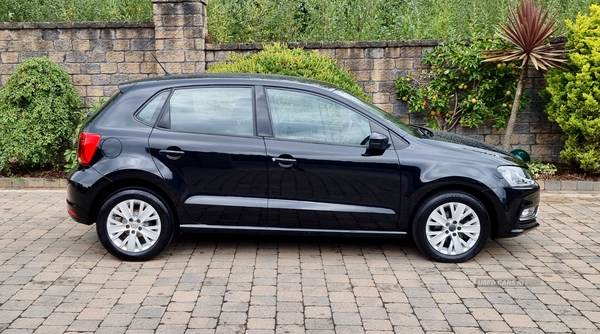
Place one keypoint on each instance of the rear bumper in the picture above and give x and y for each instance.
(81, 191)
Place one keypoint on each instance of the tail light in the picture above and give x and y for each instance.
(88, 143)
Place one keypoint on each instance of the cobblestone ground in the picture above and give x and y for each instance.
(55, 277)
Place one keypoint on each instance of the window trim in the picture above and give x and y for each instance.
(266, 97)
(165, 119)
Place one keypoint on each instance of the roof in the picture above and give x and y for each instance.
(234, 76)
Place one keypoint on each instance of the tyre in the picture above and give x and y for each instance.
(451, 226)
(135, 224)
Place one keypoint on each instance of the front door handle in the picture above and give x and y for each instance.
(172, 154)
(285, 162)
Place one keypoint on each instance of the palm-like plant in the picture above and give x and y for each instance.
(529, 29)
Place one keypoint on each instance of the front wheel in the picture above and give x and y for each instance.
(135, 224)
(451, 226)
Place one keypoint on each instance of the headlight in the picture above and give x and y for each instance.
(516, 176)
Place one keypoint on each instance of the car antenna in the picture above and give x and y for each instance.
(167, 74)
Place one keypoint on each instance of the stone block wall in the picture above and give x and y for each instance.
(97, 55)
(377, 65)
(101, 55)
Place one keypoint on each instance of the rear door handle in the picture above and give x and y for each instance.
(285, 162)
(172, 154)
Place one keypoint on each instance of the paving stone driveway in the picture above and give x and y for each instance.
(56, 277)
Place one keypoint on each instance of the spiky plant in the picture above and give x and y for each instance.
(529, 29)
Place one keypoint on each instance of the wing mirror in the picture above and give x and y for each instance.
(378, 141)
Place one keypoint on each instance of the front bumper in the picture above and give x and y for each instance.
(513, 202)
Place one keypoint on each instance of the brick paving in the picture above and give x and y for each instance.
(55, 277)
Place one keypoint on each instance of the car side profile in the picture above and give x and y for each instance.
(264, 153)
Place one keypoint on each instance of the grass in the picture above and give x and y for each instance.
(336, 20)
(75, 10)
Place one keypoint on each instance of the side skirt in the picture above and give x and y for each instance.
(274, 230)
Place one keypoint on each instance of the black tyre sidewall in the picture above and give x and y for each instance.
(166, 221)
(433, 202)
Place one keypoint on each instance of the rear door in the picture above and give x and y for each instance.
(321, 174)
(206, 149)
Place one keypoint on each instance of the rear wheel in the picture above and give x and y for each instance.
(451, 226)
(135, 224)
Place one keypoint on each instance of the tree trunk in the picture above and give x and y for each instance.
(510, 126)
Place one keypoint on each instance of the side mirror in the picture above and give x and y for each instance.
(378, 141)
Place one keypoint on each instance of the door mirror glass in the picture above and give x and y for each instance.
(378, 141)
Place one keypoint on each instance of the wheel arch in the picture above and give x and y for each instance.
(132, 182)
(476, 192)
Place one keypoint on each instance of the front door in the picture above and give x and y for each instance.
(206, 150)
(321, 175)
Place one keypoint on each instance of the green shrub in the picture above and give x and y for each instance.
(457, 89)
(279, 59)
(39, 109)
(537, 168)
(574, 95)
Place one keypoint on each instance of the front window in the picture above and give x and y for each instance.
(378, 112)
(306, 117)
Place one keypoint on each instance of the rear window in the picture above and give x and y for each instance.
(213, 110)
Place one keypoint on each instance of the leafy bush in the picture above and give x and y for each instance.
(457, 89)
(278, 59)
(350, 20)
(39, 108)
(75, 10)
(574, 95)
(537, 168)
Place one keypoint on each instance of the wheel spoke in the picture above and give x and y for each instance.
(437, 218)
(147, 232)
(458, 211)
(441, 236)
(456, 245)
(125, 210)
(116, 228)
(470, 229)
(147, 214)
(131, 243)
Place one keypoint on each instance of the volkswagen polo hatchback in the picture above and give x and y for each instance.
(258, 153)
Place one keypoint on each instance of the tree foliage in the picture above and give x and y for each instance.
(574, 95)
(528, 30)
(279, 59)
(39, 109)
(457, 89)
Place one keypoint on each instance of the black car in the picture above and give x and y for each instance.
(280, 154)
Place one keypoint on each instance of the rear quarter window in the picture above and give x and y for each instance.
(150, 111)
